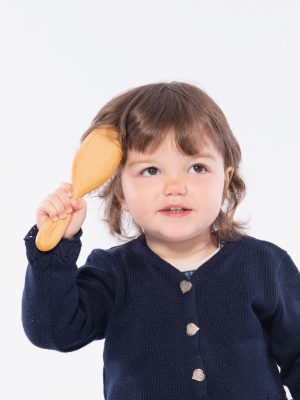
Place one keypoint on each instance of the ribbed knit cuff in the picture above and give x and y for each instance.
(65, 249)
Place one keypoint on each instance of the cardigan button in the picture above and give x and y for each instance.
(185, 286)
(191, 329)
(198, 375)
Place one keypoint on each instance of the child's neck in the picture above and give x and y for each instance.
(183, 252)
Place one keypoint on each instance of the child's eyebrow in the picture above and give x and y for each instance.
(205, 155)
(151, 160)
(141, 161)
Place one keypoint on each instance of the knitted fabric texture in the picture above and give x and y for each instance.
(219, 335)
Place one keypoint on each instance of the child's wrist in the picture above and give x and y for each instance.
(72, 237)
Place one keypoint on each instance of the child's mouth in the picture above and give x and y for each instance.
(175, 211)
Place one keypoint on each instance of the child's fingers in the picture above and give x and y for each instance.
(67, 187)
(48, 208)
(44, 210)
(59, 203)
(55, 205)
(63, 199)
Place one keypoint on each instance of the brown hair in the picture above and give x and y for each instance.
(144, 116)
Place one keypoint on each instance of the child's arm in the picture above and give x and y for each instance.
(65, 308)
(284, 327)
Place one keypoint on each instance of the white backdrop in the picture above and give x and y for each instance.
(61, 61)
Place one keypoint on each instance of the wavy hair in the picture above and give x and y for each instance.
(144, 116)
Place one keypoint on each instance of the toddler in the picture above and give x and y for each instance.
(190, 306)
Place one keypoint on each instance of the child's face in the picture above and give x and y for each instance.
(194, 185)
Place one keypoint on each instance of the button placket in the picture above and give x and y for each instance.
(192, 328)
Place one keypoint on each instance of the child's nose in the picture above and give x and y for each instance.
(175, 187)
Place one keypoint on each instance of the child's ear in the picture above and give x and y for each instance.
(228, 174)
(120, 196)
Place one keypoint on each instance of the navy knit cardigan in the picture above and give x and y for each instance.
(220, 335)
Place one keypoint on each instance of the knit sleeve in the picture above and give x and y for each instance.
(63, 307)
(285, 326)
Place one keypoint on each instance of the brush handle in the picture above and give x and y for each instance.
(51, 233)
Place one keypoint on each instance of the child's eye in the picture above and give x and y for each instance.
(150, 171)
(197, 169)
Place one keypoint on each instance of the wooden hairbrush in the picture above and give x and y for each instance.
(94, 163)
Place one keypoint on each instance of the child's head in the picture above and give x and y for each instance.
(146, 116)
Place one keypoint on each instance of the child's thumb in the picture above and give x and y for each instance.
(78, 205)
(79, 213)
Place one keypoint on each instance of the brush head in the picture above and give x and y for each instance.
(96, 160)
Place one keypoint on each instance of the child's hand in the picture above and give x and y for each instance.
(58, 204)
